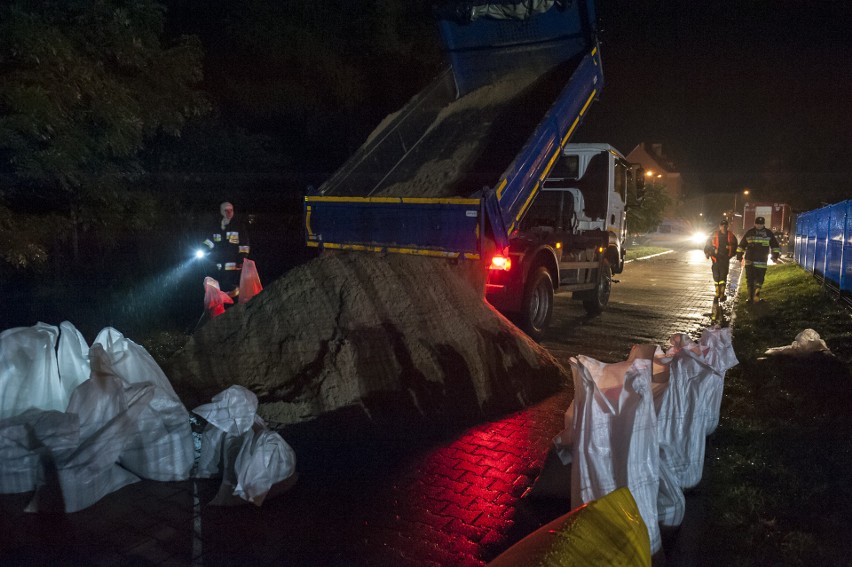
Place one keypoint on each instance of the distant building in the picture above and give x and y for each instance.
(660, 170)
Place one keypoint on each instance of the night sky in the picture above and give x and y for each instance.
(739, 93)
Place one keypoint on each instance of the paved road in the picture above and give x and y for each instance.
(451, 499)
(653, 299)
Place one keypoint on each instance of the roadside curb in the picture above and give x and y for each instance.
(647, 257)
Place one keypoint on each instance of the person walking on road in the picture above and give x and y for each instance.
(756, 246)
(720, 248)
(229, 246)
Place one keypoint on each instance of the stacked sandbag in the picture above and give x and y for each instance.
(253, 462)
(642, 424)
(91, 420)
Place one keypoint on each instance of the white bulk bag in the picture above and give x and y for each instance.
(24, 442)
(107, 414)
(29, 375)
(671, 503)
(719, 354)
(72, 355)
(254, 462)
(264, 461)
(161, 447)
(615, 436)
(687, 407)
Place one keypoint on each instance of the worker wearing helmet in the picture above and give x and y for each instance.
(757, 244)
(229, 246)
(720, 248)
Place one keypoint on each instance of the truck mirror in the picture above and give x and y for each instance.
(638, 180)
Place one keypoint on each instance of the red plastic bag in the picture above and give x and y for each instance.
(214, 298)
(249, 281)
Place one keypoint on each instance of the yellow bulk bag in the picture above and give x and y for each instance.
(606, 531)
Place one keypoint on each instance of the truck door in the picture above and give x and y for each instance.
(551, 218)
(618, 201)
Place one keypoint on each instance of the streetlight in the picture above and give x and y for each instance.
(651, 174)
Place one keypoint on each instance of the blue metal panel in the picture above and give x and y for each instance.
(484, 49)
(810, 254)
(824, 243)
(822, 219)
(450, 226)
(801, 238)
(846, 256)
(834, 241)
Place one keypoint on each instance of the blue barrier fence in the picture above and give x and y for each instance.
(823, 244)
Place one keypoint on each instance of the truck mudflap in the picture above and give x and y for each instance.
(402, 225)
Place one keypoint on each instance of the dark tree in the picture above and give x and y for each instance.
(83, 85)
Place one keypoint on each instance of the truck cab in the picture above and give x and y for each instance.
(571, 237)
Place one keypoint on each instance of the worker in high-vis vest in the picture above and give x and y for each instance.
(720, 248)
(229, 246)
(757, 244)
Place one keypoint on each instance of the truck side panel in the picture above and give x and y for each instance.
(450, 227)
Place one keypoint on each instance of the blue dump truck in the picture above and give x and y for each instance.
(478, 165)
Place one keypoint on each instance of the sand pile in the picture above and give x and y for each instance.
(392, 337)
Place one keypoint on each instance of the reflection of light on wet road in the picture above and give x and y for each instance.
(696, 257)
(475, 484)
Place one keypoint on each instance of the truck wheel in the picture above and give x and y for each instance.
(598, 301)
(538, 303)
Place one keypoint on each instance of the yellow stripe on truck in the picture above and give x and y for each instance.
(394, 250)
(408, 200)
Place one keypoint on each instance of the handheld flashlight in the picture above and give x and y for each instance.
(200, 254)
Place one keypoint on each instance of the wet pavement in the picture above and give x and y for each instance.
(446, 498)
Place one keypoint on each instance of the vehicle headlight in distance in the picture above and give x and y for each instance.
(698, 237)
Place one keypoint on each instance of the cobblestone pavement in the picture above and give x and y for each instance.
(450, 499)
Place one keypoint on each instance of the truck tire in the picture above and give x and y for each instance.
(599, 297)
(537, 306)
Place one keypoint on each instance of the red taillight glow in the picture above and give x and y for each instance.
(500, 263)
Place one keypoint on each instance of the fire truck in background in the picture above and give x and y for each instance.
(777, 216)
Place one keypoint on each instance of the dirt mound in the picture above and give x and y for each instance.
(391, 337)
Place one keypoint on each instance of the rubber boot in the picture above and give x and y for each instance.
(757, 295)
(720, 292)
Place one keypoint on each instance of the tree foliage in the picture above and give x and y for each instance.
(316, 75)
(83, 85)
(646, 214)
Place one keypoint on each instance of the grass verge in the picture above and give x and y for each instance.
(778, 466)
(635, 252)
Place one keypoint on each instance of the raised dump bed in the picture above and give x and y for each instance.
(466, 155)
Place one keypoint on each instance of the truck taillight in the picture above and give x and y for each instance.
(500, 263)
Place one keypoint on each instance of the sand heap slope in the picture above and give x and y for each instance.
(394, 337)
